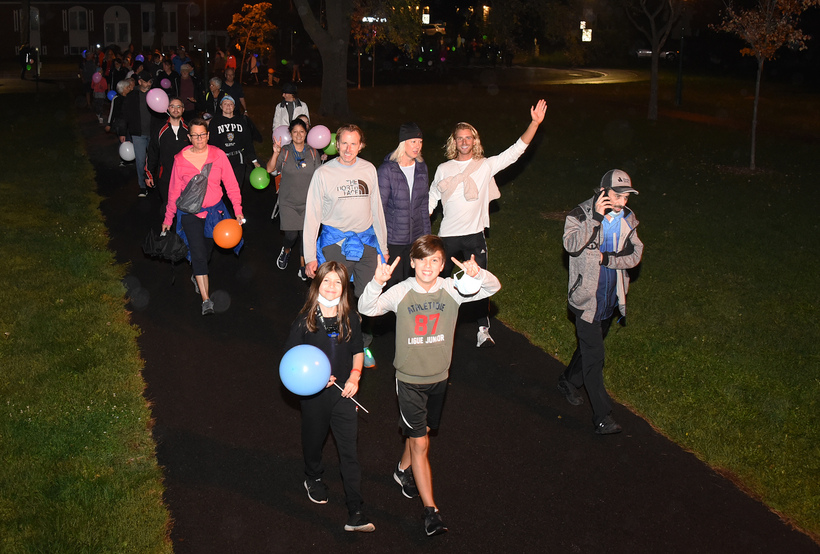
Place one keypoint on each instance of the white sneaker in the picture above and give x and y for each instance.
(484, 340)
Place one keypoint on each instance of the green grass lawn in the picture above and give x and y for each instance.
(77, 466)
(722, 350)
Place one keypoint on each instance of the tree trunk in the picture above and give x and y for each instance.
(652, 111)
(159, 19)
(754, 111)
(373, 77)
(25, 22)
(332, 44)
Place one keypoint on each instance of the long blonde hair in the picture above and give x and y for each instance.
(450, 148)
(396, 155)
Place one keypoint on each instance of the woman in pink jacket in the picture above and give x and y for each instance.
(197, 229)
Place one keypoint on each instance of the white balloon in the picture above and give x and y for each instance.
(127, 151)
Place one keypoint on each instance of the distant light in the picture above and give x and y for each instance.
(284, 61)
(421, 59)
(583, 25)
(370, 19)
(586, 35)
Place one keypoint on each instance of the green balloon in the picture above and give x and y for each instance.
(330, 149)
(28, 67)
(260, 178)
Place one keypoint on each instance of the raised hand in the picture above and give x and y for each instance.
(385, 271)
(539, 111)
(470, 266)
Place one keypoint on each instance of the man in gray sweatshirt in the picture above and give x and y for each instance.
(601, 238)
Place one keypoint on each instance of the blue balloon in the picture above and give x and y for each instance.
(111, 95)
(304, 370)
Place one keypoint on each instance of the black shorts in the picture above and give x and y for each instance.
(420, 407)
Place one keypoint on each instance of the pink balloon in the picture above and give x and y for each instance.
(157, 100)
(282, 134)
(166, 83)
(96, 78)
(319, 137)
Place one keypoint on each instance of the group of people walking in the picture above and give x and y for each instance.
(366, 243)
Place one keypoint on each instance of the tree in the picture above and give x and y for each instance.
(766, 28)
(331, 40)
(159, 22)
(395, 22)
(252, 29)
(654, 19)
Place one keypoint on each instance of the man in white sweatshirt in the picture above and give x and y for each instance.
(465, 185)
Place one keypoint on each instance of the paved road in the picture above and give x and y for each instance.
(516, 469)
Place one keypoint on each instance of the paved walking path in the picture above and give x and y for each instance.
(516, 469)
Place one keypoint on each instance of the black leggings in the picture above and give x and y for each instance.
(199, 246)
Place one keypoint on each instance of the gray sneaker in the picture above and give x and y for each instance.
(196, 285)
(207, 307)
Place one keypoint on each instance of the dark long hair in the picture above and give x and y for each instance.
(343, 310)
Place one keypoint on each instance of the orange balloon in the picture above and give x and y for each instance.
(227, 233)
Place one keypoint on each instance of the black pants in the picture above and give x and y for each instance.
(461, 248)
(291, 238)
(403, 270)
(587, 365)
(362, 270)
(199, 246)
(329, 411)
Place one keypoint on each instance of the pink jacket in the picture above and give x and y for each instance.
(221, 171)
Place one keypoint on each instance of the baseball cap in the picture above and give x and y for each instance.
(617, 180)
(145, 76)
(229, 98)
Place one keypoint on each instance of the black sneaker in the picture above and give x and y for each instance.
(282, 260)
(317, 491)
(570, 392)
(301, 273)
(207, 307)
(357, 521)
(433, 525)
(405, 479)
(607, 427)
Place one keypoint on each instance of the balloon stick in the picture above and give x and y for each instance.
(353, 399)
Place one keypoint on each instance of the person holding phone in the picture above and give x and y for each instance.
(601, 238)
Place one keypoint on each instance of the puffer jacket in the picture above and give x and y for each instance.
(407, 218)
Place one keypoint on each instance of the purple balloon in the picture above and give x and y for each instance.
(166, 83)
(157, 100)
(282, 134)
(96, 78)
(140, 58)
(319, 137)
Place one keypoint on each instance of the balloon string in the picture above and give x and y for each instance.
(353, 399)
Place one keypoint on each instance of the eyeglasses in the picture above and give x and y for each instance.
(175, 107)
(200, 135)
